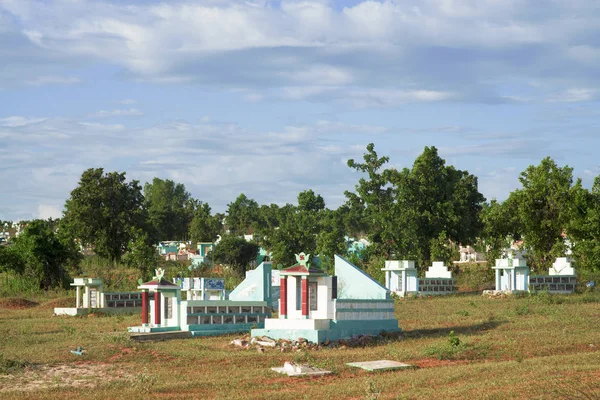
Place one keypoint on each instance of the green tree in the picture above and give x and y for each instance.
(39, 254)
(543, 205)
(501, 226)
(370, 207)
(235, 252)
(102, 210)
(330, 239)
(311, 202)
(242, 215)
(205, 227)
(141, 253)
(583, 227)
(168, 210)
(433, 199)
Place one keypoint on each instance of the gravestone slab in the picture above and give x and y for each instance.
(379, 365)
(293, 369)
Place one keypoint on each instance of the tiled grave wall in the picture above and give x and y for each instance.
(363, 309)
(553, 284)
(211, 315)
(121, 300)
(436, 286)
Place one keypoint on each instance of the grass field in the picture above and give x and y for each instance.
(521, 347)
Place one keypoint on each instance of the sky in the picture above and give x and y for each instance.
(270, 98)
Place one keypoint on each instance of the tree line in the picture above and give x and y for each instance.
(419, 213)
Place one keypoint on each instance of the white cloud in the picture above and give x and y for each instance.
(53, 80)
(127, 101)
(574, 95)
(117, 113)
(46, 211)
(426, 50)
(19, 121)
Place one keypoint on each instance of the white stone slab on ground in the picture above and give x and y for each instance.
(379, 365)
(293, 369)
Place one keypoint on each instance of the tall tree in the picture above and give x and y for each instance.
(242, 215)
(583, 226)
(330, 238)
(437, 201)
(102, 210)
(543, 204)
(169, 213)
(501, 226)
(205, 227)
(39, 254)
(235, 252)
(372, 203)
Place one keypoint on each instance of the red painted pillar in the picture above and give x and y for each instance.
(305, 297)
(145, 307)
(283, 297)
(156, 308)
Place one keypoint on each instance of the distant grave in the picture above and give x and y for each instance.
(438, 280)
(90, 297)
(401, 279)
(512, 273)
(561, 278)
(380, 365)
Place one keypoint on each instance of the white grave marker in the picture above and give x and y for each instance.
(379, 365)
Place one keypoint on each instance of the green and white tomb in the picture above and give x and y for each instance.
(319, 307)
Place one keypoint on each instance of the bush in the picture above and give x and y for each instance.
(472, 277)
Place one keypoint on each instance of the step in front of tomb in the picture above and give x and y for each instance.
(216, 330)
(140, 337)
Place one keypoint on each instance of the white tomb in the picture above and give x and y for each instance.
(512, 273)
(562, 266)
(401, 277)
(438, 270)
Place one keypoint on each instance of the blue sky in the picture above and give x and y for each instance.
(270, 98)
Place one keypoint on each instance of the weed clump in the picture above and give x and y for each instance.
(11, 366)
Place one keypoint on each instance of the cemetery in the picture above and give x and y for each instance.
(401, 278)
(328, 336)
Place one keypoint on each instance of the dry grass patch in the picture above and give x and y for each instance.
(17, 303)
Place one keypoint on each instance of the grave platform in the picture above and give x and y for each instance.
(165, 335)
(73, 311)
(338, 330)
(380, 365)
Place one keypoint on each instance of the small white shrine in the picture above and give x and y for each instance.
(563, 266)
(438, 271)
(90, 297)
(438, 280)
(561, 278)
(401, 277)
(161, 299)
(512, 273)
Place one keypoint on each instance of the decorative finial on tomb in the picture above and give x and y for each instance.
(160, 273)
(302, 258)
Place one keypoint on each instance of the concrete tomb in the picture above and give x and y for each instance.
(561, 278)
(319, 307)
(438, 280)
(90, 297)
(401, 277)
(512, 272)
(248, 306)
